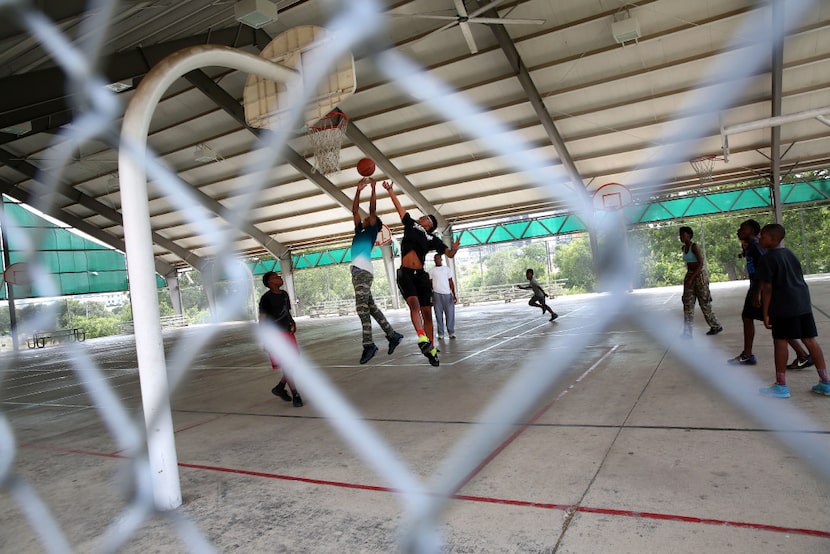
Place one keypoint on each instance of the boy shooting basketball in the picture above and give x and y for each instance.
(413, 281)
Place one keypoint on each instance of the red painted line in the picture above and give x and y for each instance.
(70, 451)
(482, 499)
(324, 482)
(706, 521)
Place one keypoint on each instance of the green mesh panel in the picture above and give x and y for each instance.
(81, 266)
(536, 229)
(74, 264)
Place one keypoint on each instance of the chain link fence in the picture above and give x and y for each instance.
(424, 499)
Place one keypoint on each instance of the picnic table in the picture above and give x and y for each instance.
(41, 338)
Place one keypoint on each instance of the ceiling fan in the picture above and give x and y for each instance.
(463, 20)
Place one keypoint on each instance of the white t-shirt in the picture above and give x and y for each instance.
(441, 276)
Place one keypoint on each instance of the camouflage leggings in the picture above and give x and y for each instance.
(700, 291)
(365, 304)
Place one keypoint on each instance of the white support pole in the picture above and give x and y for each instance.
(775, 121)
(161, 446)
(389, 266)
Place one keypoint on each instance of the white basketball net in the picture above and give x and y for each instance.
(703, 166)
(326, 138)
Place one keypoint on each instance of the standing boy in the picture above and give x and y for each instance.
(413, 281)
(275, 310)
(365, 234)
(443, 295)
(538, 298)
(787, 310)
(748, 235)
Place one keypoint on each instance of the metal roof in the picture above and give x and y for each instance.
(565, 94)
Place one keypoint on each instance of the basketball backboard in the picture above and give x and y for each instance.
(267, 102)
(611, 196)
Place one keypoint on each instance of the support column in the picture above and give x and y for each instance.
(287, 272)
(389, 266)
(132, 156)
(175, 291)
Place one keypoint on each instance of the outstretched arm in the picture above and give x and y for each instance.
(453, 250)
(373, 201)
(388, 186)
(356, 203)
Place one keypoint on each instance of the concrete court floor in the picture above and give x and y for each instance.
(631, 452)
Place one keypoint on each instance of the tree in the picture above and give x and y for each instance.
(575, 263)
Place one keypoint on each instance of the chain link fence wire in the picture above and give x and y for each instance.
(356, 24)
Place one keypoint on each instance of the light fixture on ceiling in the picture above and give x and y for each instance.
(625, 28)
(255, 13)
(19, 129)
(204, 153)
(120, 86)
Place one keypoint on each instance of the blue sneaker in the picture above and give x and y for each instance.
(822, 388)
(776, 390)
(743, 359)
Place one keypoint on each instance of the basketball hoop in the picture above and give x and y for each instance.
(384, 236)
(18, 274)
(326, 136)
(611, 197)
(703, 166)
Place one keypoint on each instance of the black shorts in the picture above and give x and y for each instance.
(750, 311)
(798, 327)
(415, 282)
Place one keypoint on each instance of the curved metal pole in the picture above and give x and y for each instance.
(161, 447)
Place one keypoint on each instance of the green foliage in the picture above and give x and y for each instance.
(575, 263)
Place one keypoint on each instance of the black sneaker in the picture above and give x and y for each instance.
(394, 341)
(428, 350)
(714, 330)
(280, 391)
(553, 316)
(800, 363)
(298, 401)
(369, 352)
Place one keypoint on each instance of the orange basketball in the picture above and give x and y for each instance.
(365, 167)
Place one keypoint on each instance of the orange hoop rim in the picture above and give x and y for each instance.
(329, 116)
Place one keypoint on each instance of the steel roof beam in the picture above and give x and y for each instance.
(162, 267)
(42, 93)
(73, 194)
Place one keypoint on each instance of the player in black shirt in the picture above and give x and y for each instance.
(275, 309)
(413, 281)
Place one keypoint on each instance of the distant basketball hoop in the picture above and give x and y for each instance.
(611, 197)
(703, 166)
(384, 236)
(326, 136)
(18, 274)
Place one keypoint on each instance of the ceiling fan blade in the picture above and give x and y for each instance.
(438, 30)
(486, 7)
(460, 8)
(500, 21)
(468, 36)
(425, 16)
